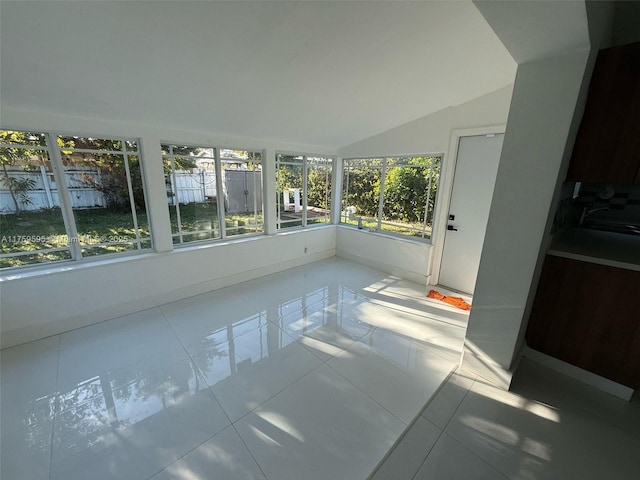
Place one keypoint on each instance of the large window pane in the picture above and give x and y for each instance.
(395, 194)
(190, 178)
(104, 181)
(32, 228)
(318, 190)
(410, 188)
(242, 184)
(290, 190)
(303, 190)
(361, 192)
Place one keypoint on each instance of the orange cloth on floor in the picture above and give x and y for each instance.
(455, 301)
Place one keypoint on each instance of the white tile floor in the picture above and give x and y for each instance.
(312, 373)
(547, 427)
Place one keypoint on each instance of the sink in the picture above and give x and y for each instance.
(613, 226)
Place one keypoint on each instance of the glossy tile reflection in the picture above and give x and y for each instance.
(309, 373)
(548, 427)
(27, 407)
(399, 372)
(247, 370)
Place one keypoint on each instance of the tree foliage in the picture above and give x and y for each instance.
(362, 189)
(319, 187)
(22, 160)
(112, 181)
(406, 191)
(290, 176)
(408, 185)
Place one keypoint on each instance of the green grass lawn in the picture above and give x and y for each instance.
(402, 228)
(44, 229)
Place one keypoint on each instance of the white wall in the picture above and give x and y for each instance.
(92, 292)
(535, 148)
(429, 134)
(46, 302)
(42, 304)
(404, 258)
(432, 133)
(548, 101)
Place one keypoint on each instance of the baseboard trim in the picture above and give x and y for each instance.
(577, 373)
(475, 361)
(385, 267)
(36, 332)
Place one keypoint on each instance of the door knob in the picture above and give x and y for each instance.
(451, 228)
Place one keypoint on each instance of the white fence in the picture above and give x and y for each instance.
(44, 193)
(242, 189)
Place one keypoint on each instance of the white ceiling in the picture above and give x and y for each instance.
(318, 73)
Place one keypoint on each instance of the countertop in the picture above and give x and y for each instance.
(605, 248)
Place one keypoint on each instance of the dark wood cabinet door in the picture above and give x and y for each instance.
(607, 148)
(588, 315)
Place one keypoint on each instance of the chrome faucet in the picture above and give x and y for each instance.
(586, 212)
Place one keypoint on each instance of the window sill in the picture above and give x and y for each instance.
(34, 271)
(389, 235)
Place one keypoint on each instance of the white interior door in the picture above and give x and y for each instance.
(473, 183)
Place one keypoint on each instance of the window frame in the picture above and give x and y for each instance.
(59, 172)
(220, 193)
(384, 168)
(305, 160)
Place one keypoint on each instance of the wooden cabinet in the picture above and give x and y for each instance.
(588, 315)
(607, 148)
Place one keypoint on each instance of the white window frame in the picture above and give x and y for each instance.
(220, 194)
(305, 161)
(74, 246)
(381, 197)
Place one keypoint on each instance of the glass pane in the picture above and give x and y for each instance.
(361, 192)
(67, 144)
(172, 198)
(101, 200)
(135, 169)
(318, 190)
(242, 184)
(190, 178)
(409, 195)
(11, 137)
(32, 229)
(289, 185)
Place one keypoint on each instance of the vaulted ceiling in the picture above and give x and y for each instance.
(318, 73)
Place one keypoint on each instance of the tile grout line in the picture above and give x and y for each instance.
(369, 397)
(197, 371)
(460, 404)
(278, 393)
(356, 386)
(53, 421)
(209, 387)
(407, 430)
(500, 472)
(451, 374)
(188, 452)
(442, 431)
(322, 362)
(429, 451)
(249, 450)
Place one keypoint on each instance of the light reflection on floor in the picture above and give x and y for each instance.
(310, 373)
(547, 427)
